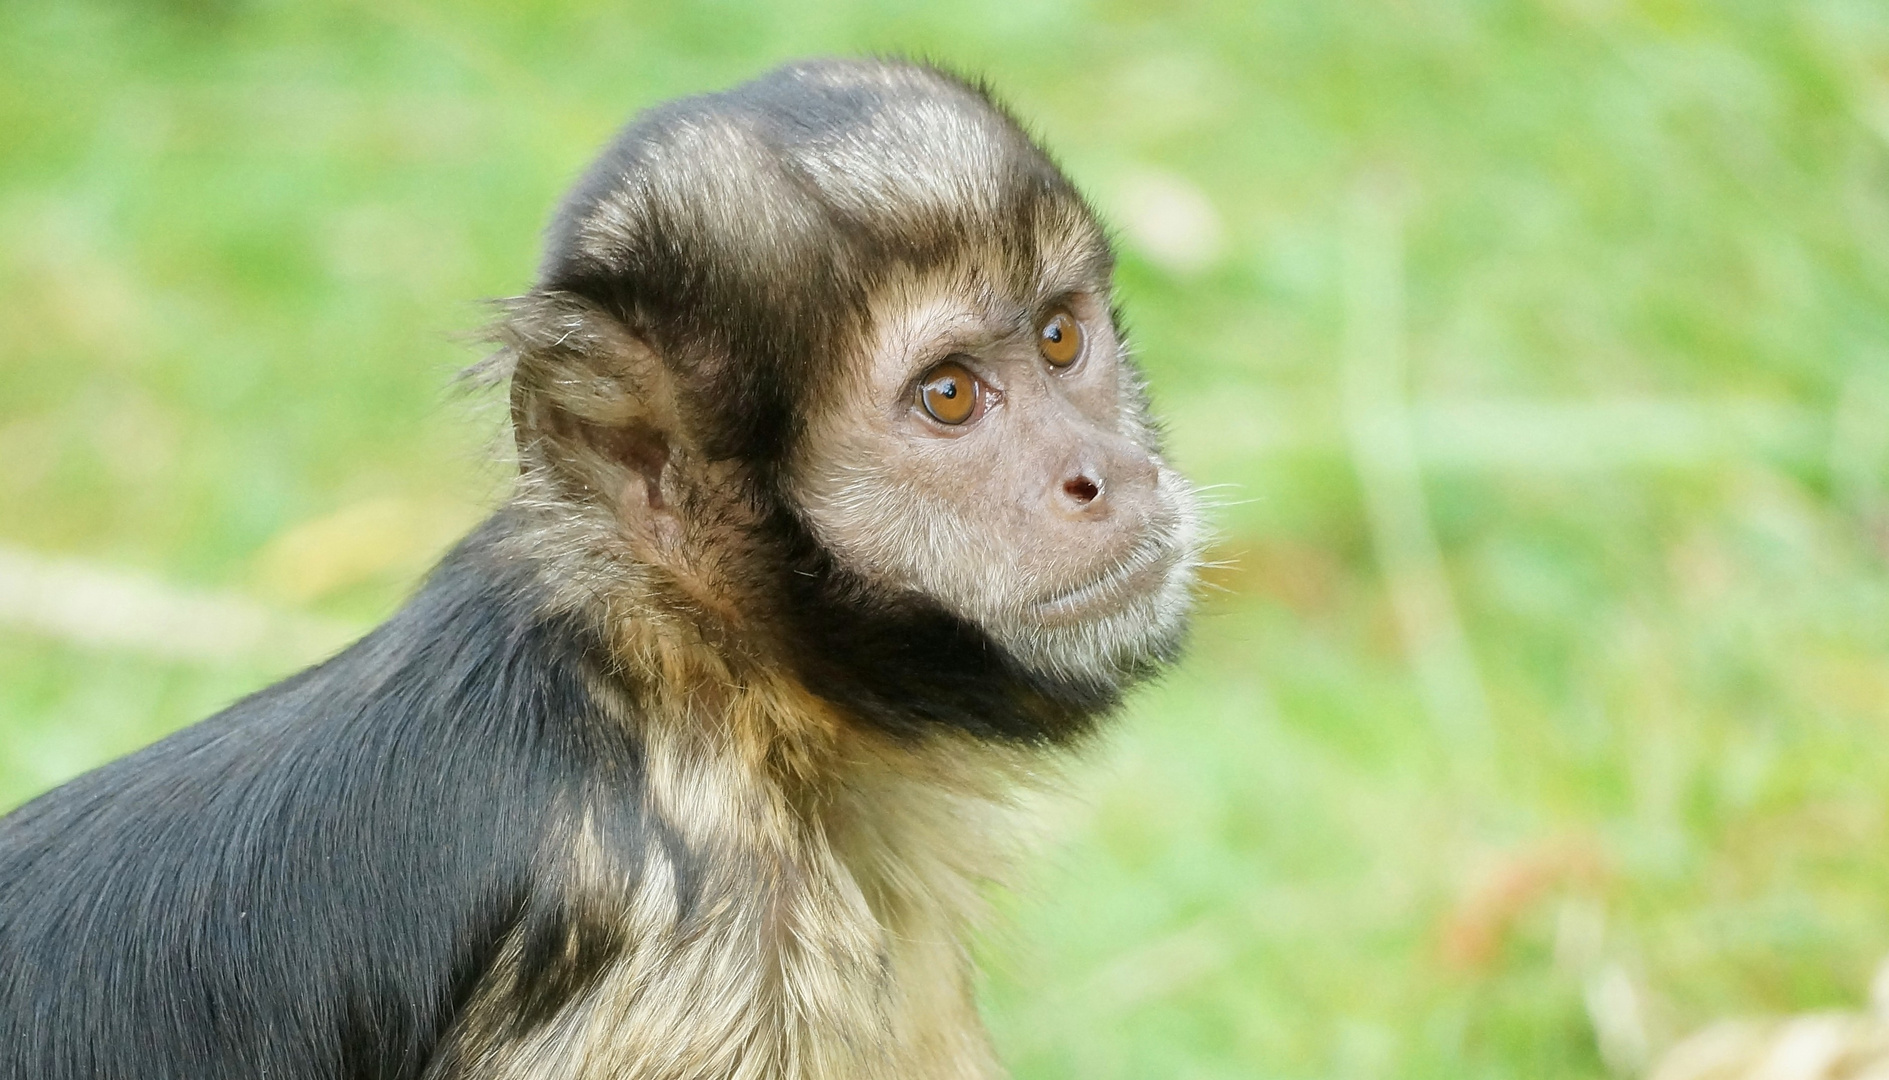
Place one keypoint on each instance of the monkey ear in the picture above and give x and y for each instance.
(593, 406)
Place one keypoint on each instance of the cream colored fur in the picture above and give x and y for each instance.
(828, 937)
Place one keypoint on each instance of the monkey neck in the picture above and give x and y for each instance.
(917, 826)
(762, 601)
(913, 826)
(672, 660)
(731, 703)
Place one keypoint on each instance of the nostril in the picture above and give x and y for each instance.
(1082, 490)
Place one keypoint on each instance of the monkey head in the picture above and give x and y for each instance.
(834, 357)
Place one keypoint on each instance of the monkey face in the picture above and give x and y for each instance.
(992, 451)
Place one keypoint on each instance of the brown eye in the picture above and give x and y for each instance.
(949, 393)
(1060, 339)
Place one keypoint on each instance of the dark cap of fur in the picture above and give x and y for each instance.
(741, 232)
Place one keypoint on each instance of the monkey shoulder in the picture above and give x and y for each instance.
(314, 882)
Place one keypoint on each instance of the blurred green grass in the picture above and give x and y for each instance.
(1634, 255)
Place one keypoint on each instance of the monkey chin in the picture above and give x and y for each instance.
(1115, 629)
(1127, 641)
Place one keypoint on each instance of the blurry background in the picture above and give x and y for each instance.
(1539, 349)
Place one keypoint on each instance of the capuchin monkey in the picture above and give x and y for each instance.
(840, 519)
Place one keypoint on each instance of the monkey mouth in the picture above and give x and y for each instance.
(1143, 572)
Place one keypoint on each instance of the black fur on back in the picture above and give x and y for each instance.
(310, 883)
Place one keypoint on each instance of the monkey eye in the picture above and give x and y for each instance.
(1059, 339)
(949, 393)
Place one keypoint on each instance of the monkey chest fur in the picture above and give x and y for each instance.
(769, 940)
